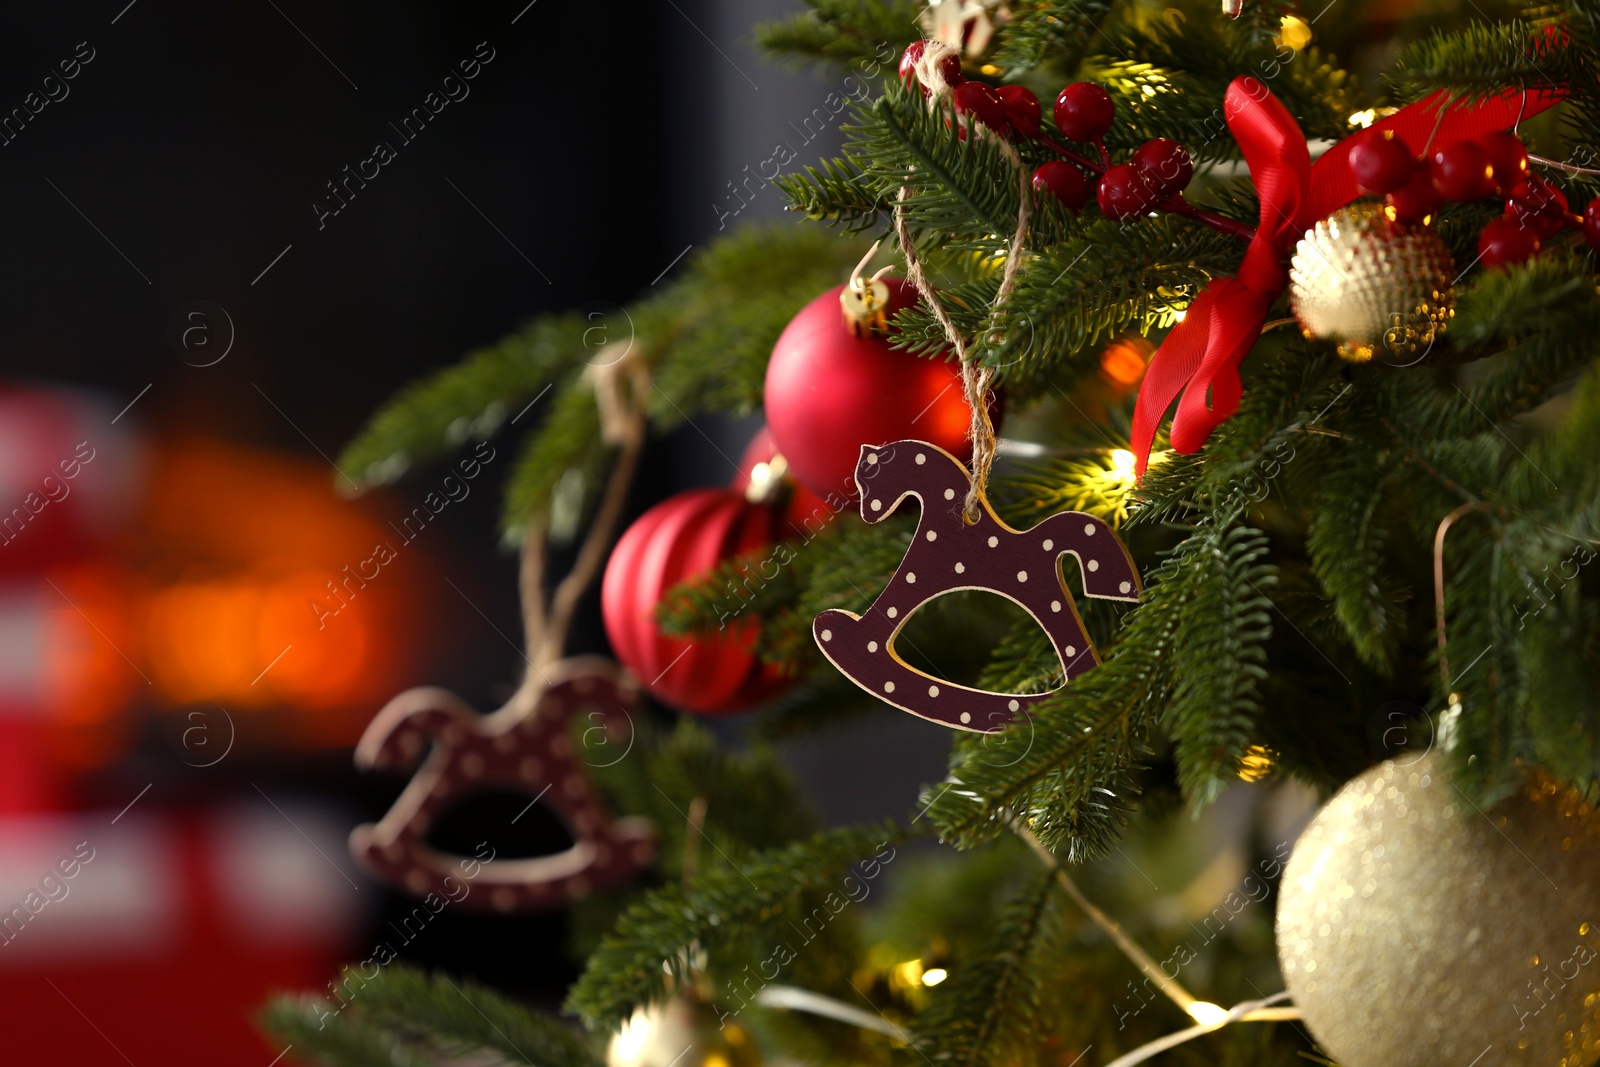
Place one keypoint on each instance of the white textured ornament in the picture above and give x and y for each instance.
(1414, 929)
(1370, 284)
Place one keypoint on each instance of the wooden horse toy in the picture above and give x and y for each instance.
(526, 746)
(946, 554)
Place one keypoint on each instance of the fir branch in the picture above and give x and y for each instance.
(866, 33)
(460, 1016)
(567, 441)
(351, 1041)
(1346, 541)
(992, 1009)
(646, 955)
(834, 192)
(1219, 658)
(1480, 60)
(465, 402)
(1054, 36)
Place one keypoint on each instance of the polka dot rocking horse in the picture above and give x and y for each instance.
(524, 747)
(947, 554)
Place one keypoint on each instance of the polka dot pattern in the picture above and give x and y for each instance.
(949, 553)
(524, 750)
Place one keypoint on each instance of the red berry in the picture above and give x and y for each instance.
(1125, 192)
(1591, 223)
(1022, 108)
(1461, 172)
(1538, 206)
(1084, 112)
(1166, 163)
(949, 65)
(979, 101)
(1065, 182)
(1380, 162)
(1416, 200)
(1504, 242)
(1509, 159)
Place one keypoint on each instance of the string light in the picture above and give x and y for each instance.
(1294, 32)
(1207, 1014)
(934, 975)
(1123, 461)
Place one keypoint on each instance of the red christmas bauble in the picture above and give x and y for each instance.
(829, 392)
(803, 513)
(679, 539)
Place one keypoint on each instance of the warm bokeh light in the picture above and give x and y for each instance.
(1123, 362)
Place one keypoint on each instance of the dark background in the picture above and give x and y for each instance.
(595, 149)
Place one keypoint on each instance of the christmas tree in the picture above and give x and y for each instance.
(1294, 361)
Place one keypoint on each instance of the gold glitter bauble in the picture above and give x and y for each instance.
(1369, 283)
(682, 1032)
(1415, 929)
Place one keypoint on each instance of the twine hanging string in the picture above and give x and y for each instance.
(975, 378)
(620, 383)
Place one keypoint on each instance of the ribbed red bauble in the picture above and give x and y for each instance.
(830, 391)
(679, 539)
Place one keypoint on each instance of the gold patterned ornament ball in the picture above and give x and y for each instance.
(1372, 284)
(682, 1032)
(1415, 929)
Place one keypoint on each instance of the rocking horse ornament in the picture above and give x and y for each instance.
(529, 744)
(523, 746)
(950, 553)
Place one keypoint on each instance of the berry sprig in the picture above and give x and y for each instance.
(1495, 165)
(1153, 179)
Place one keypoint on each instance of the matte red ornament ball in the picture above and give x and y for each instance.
(1591, 223)
(1065, 182)
(682, 538)
(1509, 160)
(1166, 163)
(1539, 206)
(1461, 171)
(982, 103)
(1503, 242)
(1126, 192)
(1417, 199)
(1022, 108)
(828, 392)
(1084, 112)
(1380, 162)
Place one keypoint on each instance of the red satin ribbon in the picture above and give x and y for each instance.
(1200, 358)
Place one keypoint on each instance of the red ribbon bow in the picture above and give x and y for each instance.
(1200, 358)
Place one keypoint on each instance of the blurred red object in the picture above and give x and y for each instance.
(68, 477)
(118, 932)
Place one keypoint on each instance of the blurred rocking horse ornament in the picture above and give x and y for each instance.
(949, 552)
(527, 745)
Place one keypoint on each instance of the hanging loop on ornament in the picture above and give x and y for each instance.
(975, 379)
(865, 301)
